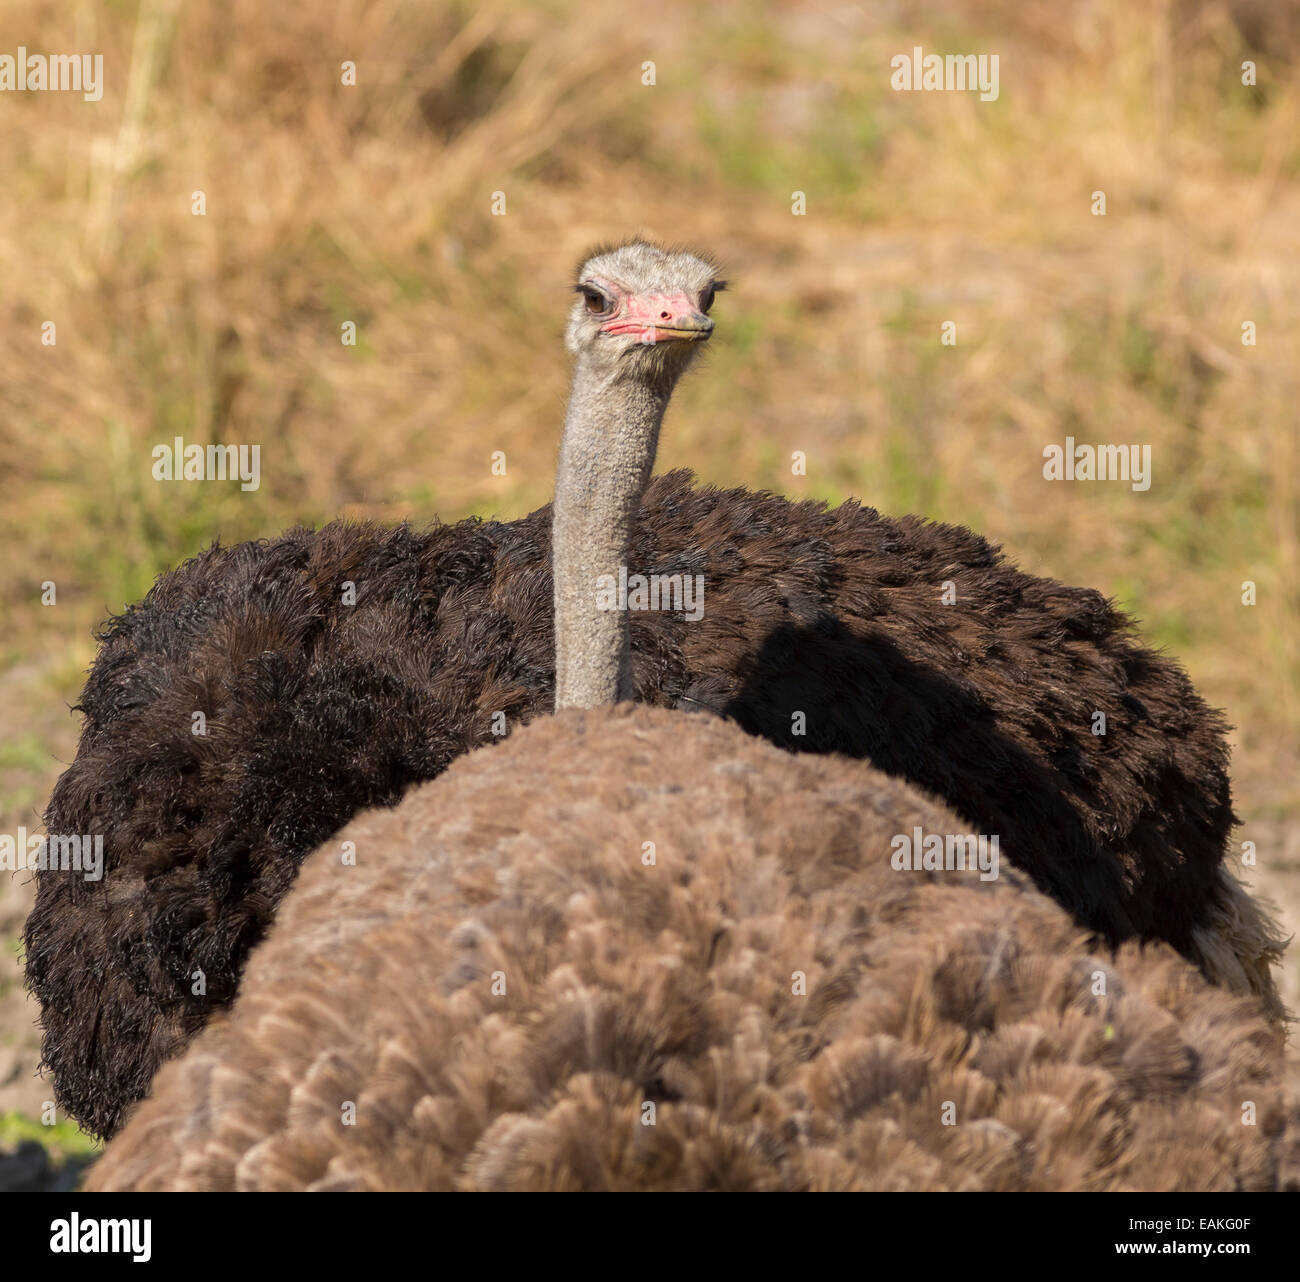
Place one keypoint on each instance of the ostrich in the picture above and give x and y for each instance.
(502, 991)
(824, 631)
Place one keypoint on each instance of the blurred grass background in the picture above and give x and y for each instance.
(327, 203)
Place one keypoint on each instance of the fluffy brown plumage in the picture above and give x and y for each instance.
(501, 985)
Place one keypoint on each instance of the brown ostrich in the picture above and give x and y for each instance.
(821, 631)
(504, 993)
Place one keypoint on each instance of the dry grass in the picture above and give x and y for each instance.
(373, 204)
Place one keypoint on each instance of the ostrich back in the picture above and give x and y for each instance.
(504, 991)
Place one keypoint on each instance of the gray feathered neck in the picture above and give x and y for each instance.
(611, 434)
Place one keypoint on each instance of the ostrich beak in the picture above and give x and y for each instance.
(694, 328)
(661, 318)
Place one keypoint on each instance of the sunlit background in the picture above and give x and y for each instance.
(373, 204)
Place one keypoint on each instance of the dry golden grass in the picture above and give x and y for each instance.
(372, 204)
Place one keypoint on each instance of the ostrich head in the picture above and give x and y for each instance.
(641, 311)
(639, 319)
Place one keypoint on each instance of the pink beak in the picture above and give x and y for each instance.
(661, 318)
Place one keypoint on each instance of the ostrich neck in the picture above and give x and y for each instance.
(611, 433)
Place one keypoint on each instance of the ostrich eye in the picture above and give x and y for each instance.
(706, 301)
(597, 303)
